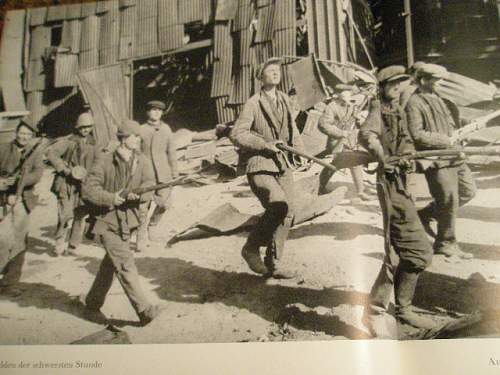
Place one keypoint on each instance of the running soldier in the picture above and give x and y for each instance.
(109, 188)
(72, 158)
(407, 249)
(21, 167)
(266, 120)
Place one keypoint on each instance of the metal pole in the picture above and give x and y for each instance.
(409, 33)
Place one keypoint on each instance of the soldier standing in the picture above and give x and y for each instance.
(266, 120)
(451, 185)
(159, 146)
(72, 157)
(407, 249)
(21, 168)
(339, 123)
(114, 175)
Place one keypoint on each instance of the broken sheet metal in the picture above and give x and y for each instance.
(264, 27)
(226, 10)
(167, 13)
(308, 82)
(90, 33)
(36, 106)
(242, 86)
(286, 83)
(284, 15)
(221, 77)
(71, 35)
(171, 37)
(227, 219)
(263, 51)
(88, 59)
(223, 41)
(146, 37)
(56, 13)
(247, 54)
(36, 76)
(88, 9)
(244, 15)
(464, 91)
(207, 11)
(315, 142)
(37, 16)
(103, 6)
(189, 11)
(128, 17)
(73, 11)
(284, 43)
(127, 3)
(225, 113)
(263, 3)
(65, 70)
(109, 42)
(11, 60)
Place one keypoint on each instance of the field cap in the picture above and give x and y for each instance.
(433, 70)
(85, 119)
(156, 104)
(392, 73)
(128, 128)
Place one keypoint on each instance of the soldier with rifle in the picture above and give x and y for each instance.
(265, 122)
(72, 157)
(407, 250)
(340, 123)
(21, 168)
(431, 125)
(109, 189)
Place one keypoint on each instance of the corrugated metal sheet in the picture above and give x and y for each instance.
(284, 43)
(286, 79)
(189, 11)
(40, 39)
(128, 22)
(207, 11)
(247, 54)
(36, 107)
(127, 3)
(110, 34)
(103, 6)
(38, 16)
(223, 42)
(265, 17)
(284, 17)
(242, 86)
(225, 113)
(257, 84)
(88, 9)
(264, 3)
(73, 11)
(56, 13)
(244, 16)
(226, 10)
(263, 51)
(171, 37)
(90, 33)
(88, 59)
(146, 36)
(65, 70)
(71, 35)
(35, 79)
(221, 77)
(167, 13)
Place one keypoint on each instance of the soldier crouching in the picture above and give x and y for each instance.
(116, 217)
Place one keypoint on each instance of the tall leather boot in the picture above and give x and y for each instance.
(405, 285)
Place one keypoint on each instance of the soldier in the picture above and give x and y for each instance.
(265, 121)
(112, 177)
(159, 146)
(339, 123)
(431, 126)
(407, 250)
(72, 157)
(21, 168)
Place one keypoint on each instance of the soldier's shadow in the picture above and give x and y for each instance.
(181, 281)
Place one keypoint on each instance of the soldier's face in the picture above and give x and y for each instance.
(23, 135)
(392, 90)
(85, 130)
(155, 114)
(132, 142)
(271, 76)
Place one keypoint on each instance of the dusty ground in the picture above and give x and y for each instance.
(211, 296)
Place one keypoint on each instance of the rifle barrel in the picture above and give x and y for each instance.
(306, 156)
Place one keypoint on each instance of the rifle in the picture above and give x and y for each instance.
(143, 190)
(477, 124)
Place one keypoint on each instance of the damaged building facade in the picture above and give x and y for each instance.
(199, 56)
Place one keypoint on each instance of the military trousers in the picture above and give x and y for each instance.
(275, 193)
(119, 261)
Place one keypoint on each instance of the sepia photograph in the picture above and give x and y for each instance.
(249, 171)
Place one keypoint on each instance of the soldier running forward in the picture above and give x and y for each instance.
(407, 249)
(72, 158)
(109, 188)
(21, 167)
(339, 123)
(451, 185)
(265, 121)
(159, 146)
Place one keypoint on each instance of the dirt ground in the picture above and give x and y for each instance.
(210, 295)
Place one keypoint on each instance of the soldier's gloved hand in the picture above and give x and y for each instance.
(271, 149)
(133, 197)
(118, 200)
